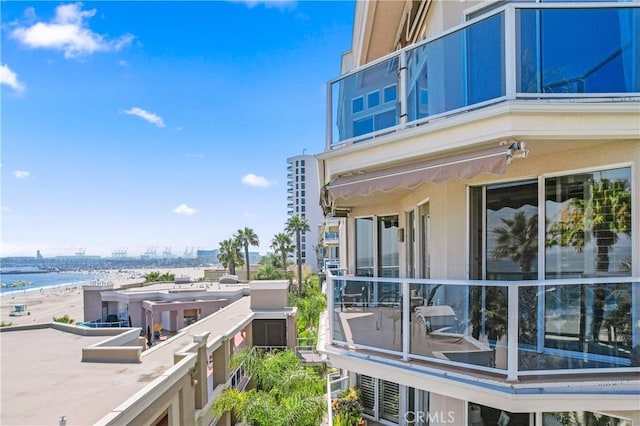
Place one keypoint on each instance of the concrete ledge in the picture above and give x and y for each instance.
(121, 348)
(89, 331)
(269, 285)
(37, 326)
(68, 328)
(127, 354)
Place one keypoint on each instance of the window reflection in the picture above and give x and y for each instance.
(593, 55)
(512, 231)
(459, 69)
(366, 101)
(364, 247)
(388, 247)
(589, 224)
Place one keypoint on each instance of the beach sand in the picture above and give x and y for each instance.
(44, 304)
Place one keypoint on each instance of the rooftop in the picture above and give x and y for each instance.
(43, 377)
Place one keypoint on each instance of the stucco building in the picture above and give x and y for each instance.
(64, 374)
(484, 156)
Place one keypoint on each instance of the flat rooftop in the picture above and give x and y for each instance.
(198, 286)
(44, 378)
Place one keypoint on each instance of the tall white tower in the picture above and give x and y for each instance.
(303, 195)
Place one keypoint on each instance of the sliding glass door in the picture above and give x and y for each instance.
(388, 247)
(586, 231)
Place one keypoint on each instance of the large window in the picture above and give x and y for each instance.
(379, 250)
(452, 71)
(587, 233)
(588, 227)
(504, 246)
(512, 231)
(597, 53)
(364, 247)
(588, 218)
(388, 250)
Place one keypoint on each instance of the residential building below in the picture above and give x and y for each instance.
(481, 170)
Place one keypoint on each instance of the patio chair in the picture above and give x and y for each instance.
(353, 292)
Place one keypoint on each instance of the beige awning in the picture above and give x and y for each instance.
(461, 166)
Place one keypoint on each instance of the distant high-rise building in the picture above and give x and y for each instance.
(303, 200)
(38, 254)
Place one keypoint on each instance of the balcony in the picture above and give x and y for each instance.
(514, 329)
(520, 52)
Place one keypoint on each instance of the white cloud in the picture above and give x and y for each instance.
(10, 78)
(69, 32)
(123, 63)
(253, 180)
(145, 115)
(185, 210)
(195, 156)
(278, 4)
(21, 174)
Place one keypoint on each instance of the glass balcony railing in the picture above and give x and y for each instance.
(515, 328)
(524, 51)
(331, 236)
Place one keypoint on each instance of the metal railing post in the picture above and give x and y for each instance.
(406, 320)
(330, 304)
(329, 121)
(402, 86)
(512, 334)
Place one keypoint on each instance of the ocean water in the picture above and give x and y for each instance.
(48, 279)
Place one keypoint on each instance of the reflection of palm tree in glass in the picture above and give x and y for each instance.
(518, 240)
(603, 214)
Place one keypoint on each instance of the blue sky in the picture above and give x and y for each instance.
(166, 124)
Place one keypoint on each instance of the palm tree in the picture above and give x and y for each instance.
(247, 237)
(155, 276)
(603, 214)
(310, 307)
(268, 272)
(229, 255)
(283, 247)
(287, 393)
(298, 225)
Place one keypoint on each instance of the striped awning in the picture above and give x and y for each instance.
(462, 166)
